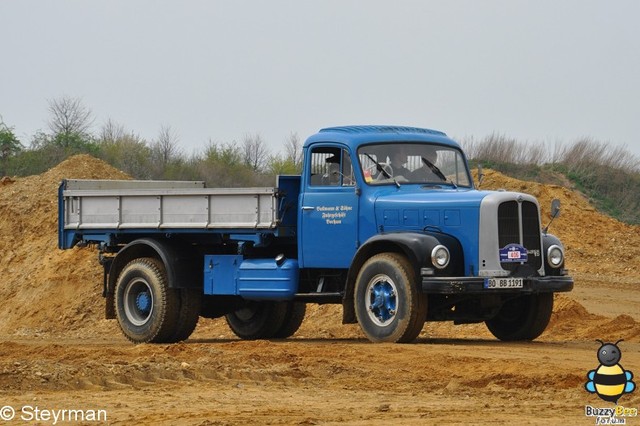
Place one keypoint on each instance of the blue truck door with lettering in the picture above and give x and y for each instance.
(328, 210)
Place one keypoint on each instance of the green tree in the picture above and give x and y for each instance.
(69, 123)
(9, 146)
(125, 151)
(282, 166)
(223, 165)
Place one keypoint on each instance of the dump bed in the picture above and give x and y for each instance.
(108, 206)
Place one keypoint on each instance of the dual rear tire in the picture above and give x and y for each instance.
(267, 320)
(147, 310)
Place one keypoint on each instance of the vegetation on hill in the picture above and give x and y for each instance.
(608, 175)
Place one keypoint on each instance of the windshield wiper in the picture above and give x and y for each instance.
(382, 170)
(436, 171)
(379, 167)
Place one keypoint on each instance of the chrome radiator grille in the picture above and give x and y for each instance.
(519, 223)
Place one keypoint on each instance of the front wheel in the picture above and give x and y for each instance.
(522, 318)
(388, 305)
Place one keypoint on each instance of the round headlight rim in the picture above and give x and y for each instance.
(550, 250)
(434, 256)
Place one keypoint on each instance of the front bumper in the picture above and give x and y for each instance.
(476, 285)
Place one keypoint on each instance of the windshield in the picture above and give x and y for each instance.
(399, 163)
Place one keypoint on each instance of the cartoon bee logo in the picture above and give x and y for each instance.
(609, 381)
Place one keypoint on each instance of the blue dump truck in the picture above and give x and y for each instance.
(384, 220)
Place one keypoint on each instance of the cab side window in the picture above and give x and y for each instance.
(331, 166)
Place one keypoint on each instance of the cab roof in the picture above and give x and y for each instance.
(355, 136)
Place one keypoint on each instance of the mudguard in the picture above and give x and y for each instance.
(184, 267)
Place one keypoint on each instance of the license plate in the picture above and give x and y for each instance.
(503, 283)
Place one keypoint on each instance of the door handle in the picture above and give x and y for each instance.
(307, 208)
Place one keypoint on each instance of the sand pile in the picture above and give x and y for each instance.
(572, 321)
(49, 291)
(44, 289)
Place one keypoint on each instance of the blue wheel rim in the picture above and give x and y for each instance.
(381, 300)
(138, 302)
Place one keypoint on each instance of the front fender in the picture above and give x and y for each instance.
(417, 247)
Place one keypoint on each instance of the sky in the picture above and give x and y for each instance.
(536, 71)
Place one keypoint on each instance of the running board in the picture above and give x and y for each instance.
(318, 297)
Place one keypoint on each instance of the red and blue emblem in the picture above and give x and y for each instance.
(513, 253)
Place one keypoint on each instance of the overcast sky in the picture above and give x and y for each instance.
(537, 71)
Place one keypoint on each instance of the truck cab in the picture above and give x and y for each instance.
(384, 220)
(360, 182)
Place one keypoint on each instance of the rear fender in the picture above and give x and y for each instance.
(183, 265)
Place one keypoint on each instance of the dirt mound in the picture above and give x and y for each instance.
(570, 320)
(567, 309)
(44, 289)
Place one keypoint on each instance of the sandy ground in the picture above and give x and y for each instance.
(316, 379)
(57, 353)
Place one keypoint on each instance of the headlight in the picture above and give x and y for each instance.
(555, 256)
(440, 256)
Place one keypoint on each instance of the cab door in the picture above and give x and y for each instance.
(328, 209)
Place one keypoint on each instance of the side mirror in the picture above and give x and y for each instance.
(555, 212)
(480, 175)
(555, 208)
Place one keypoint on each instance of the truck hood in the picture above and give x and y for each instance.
(415, 208)
(431, 199)
(468, 215)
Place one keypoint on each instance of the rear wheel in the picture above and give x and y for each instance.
(292, 320)
(257, 320)
(388, 305)
(522, 318)
(190, 302)
(146, 308)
